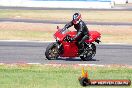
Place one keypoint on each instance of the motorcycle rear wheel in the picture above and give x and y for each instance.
(51, 52)
(90, 54)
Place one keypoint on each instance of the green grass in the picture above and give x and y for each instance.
(66, 15)
(40, 76)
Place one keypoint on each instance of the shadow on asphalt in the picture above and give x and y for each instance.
(75, 59)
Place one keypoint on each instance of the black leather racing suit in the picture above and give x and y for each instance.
(82, 32)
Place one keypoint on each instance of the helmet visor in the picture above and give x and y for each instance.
(76, 19)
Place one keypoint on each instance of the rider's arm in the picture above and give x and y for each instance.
(79, 33)
(68, 25)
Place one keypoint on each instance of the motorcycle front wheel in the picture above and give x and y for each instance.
(52, 52)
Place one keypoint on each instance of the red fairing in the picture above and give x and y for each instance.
(59, 35)
(93, 35)
(70, 49)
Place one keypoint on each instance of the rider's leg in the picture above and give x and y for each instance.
(83, 39)
(81, 44)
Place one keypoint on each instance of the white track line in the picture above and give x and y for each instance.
(56, 64)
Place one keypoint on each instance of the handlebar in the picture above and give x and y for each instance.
(67, 38)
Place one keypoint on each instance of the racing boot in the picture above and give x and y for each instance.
(81, 45)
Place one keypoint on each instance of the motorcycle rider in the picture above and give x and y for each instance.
(82, 30)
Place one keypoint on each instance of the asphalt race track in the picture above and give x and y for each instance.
(116, 8)
(33, 52)
(63, 22)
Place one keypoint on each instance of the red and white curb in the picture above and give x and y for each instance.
(55, 64)
(74, 65)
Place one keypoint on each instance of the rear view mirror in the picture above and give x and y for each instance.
(57, 27)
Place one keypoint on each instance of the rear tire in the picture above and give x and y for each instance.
(52, 52)
(90, 53)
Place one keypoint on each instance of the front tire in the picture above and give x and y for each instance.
(52, 52)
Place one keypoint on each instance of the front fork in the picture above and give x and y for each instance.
(59, 47)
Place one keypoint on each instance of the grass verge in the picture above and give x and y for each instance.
(41, 76)
(48, 36)
(25, 35)
(44, 32)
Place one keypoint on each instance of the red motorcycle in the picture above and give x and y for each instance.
(63, 47)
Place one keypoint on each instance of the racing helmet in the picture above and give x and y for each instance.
(76, 18)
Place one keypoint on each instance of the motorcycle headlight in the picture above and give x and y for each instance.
(98, 38)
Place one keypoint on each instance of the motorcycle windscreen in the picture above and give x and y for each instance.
(58, 35)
